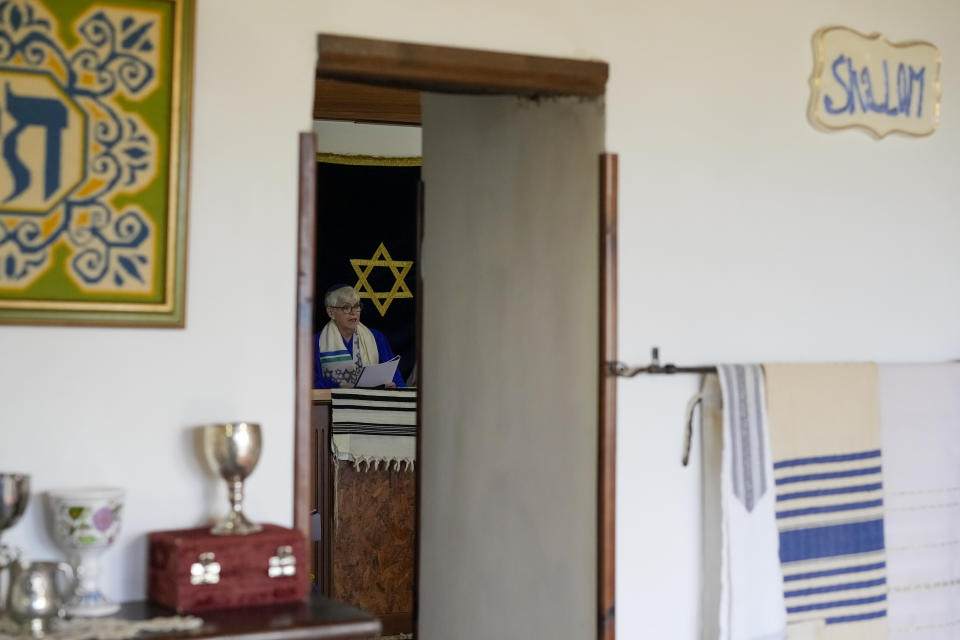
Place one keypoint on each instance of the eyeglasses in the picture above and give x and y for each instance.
(357, 308)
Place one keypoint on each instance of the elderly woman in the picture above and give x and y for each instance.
(345, 345)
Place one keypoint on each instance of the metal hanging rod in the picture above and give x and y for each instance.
(622, 370)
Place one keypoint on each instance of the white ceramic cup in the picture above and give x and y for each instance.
(85, 523)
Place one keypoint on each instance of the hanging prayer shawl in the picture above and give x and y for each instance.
(745, 431)
(337, 363)
(920, 417)
(374, 427)
(743, 594)
(825, 441)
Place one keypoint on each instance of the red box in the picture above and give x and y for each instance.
(194, 570)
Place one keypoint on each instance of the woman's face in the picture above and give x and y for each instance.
(346, 316)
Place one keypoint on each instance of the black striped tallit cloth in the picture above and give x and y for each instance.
(374, 412)
(371, 428)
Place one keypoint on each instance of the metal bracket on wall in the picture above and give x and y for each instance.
(622, 370)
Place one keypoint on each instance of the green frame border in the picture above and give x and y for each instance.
(174, 318)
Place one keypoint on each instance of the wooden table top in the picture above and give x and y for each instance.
(315, 618)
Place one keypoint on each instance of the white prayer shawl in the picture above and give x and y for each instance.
(338, 364)
(743, 592)
(920, 422)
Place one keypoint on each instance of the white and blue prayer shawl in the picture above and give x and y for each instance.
(336, 363)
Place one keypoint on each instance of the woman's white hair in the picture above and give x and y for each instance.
(338, 297)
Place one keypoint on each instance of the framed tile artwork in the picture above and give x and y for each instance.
(95, 101)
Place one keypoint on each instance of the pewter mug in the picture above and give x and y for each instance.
(37, 593)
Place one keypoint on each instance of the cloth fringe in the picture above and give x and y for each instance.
(372, 462)
(397, 463)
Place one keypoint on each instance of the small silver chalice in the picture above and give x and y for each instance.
(14, 493)
(233, 449)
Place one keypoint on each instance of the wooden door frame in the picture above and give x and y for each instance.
(607, 401)
(343, 63)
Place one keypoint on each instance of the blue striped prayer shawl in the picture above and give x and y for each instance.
(830, 518)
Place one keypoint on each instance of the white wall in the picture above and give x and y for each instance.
(363, 139)
(745, 235)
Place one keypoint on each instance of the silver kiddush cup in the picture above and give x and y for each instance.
(233, 449)
(14, 494)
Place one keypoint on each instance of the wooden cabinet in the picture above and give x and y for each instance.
(368, 558)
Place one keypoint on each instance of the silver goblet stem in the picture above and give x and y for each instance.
(236, 497)
(235, 524)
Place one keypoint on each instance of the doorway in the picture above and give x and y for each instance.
(492, 391)
(368, 184)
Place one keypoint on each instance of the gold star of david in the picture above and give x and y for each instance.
(381, 258)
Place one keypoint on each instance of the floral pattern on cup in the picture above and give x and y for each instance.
(87, 522)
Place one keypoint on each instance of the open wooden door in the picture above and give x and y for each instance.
(511, 277)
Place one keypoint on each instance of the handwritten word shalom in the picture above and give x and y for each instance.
(874, 84)
(861, 93)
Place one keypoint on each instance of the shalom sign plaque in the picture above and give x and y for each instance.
(872, 83)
